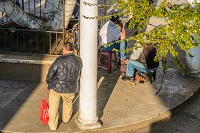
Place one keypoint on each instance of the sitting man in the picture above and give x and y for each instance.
(142, 59)
(109, 33)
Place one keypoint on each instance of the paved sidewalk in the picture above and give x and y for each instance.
(121, 106)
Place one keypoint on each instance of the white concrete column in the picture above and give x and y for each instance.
(87, 118)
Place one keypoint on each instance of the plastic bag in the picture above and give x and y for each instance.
(44, 112)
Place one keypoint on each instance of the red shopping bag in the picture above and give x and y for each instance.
(44, 110)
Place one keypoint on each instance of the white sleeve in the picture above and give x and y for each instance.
(136, 53)
(109, 33)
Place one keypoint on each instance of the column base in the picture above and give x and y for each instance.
(84, 126)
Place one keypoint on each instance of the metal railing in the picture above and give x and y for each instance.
(31, 6)
(32, 41)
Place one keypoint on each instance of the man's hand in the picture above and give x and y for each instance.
(120, 23)
(123, 34)
(126, 61)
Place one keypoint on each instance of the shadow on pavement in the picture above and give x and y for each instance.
(185, 118)
(105, 89)
(13, 95)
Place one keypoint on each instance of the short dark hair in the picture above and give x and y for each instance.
(114, 17)
(68, 46)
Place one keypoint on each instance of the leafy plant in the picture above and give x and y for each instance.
(182, 22)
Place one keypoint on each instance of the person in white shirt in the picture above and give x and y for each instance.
(114, 37)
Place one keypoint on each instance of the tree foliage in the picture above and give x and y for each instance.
(181, 28)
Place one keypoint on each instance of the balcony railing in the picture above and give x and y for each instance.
(32, 41)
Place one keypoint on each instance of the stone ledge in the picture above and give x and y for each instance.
(27, 58)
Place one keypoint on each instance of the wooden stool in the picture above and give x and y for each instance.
(108, 55)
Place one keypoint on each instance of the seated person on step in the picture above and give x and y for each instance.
(109, 33)
(142, 60)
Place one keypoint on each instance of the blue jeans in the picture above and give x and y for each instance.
(132, 65)
(119, 46)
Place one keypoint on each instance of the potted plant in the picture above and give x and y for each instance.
(193, 59)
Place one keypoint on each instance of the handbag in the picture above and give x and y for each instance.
(44, 110)
(141, 76)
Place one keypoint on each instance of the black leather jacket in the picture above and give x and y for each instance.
(64, 74)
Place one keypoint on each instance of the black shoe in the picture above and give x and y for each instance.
(125, 78)
(141, 82)
(122, 74)
(65, 122)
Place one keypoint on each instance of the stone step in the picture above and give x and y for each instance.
(29, 67)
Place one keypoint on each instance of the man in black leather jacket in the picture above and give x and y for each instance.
(62, 80)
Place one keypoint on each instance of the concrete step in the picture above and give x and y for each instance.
(28, 67)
